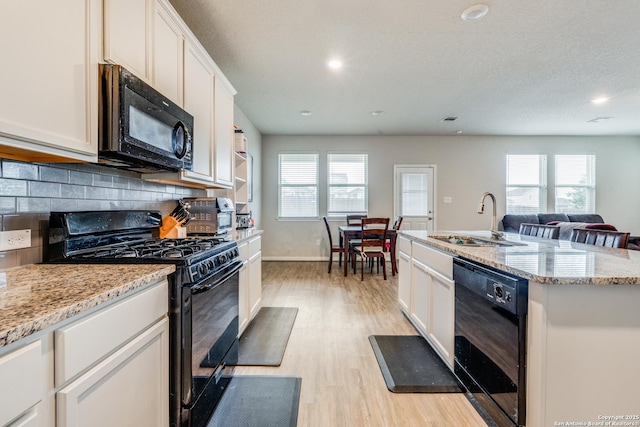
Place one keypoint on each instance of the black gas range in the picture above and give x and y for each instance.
(203, 295)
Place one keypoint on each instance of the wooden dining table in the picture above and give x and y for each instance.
(348, 232)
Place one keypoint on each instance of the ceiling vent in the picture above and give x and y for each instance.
(449, 119)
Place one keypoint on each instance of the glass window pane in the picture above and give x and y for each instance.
(415, 194)
(347, 178)
(347, 199)
(526, 190)
(298, 185)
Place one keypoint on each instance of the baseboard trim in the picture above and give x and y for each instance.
(296, 258)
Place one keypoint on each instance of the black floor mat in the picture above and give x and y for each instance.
(264, 341)
(258, 401)
(410, 365)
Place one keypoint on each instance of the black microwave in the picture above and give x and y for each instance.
(139, 128)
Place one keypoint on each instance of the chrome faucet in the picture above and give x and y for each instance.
(495, 234)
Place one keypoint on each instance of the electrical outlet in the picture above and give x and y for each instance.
(15, 239)
(318, 242)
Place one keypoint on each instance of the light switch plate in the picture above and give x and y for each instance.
(15, 239)
(447, 200)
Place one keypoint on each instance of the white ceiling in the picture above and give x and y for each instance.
(526, 68)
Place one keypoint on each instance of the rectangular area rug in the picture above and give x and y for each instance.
(410, 365)
(264, 341)
(258, 401)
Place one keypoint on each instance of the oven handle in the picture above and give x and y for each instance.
(229, 271)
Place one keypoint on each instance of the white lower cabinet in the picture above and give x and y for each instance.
(255, 275)
(129, 388)
(106, 368)
(404, 280)
(243, 291)
(426, 293)
(250, 276)
(21, 387)
(420, 295)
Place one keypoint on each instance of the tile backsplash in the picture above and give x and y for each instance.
(30, 191)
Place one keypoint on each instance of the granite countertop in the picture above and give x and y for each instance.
(37, 296)
(240, 235)
(551, 262)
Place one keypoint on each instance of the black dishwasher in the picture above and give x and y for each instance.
(490, 339)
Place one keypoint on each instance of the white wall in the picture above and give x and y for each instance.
(467, 166)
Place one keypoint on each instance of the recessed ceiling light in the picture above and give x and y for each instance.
(377, 113)
(305, 113)
(474, 12)
(335, 64)
(600, 100)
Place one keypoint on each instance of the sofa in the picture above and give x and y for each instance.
(511, 224)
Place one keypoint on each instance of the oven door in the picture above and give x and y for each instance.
(210, 338)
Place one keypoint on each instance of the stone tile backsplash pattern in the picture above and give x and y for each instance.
(30, 191)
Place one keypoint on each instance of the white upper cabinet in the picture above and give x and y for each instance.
(128, 35)
(50, 53)
(198, 101)
(168, 54)
(223, 130)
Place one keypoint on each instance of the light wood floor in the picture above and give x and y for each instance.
(329, 349)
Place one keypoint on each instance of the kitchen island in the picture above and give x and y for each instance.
(583, 326)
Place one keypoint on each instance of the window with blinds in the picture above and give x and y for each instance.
(575, 183)
(298, 185)
(526, 183)
(347, 180)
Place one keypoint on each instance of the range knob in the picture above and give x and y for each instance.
(222, 258)
(203, 269)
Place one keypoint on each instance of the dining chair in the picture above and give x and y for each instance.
(606, 238)
(372, 246)
(332, 249)
(543, 231)
(390, 245)
(355, 219)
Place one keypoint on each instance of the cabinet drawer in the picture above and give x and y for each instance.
(404, 245)
(88, 340)
(22, 381)
(243, 250)
(438, 261)
(254, 246)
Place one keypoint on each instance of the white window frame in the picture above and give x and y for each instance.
(281, 185)
(541, 159)
(589, 186)
(364, 185)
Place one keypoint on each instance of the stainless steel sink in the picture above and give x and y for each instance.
(475, 241)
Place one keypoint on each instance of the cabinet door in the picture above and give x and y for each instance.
(223, 143)
(128, 35)
(404, 281)
(198, 101)
(243, 297)
(128, 389)
(50, 52)
(168, 49)
(255, 282)
(30, 419)
(442, 315)
(22, 374)
(420, 295)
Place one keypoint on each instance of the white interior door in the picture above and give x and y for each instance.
(414, 196)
